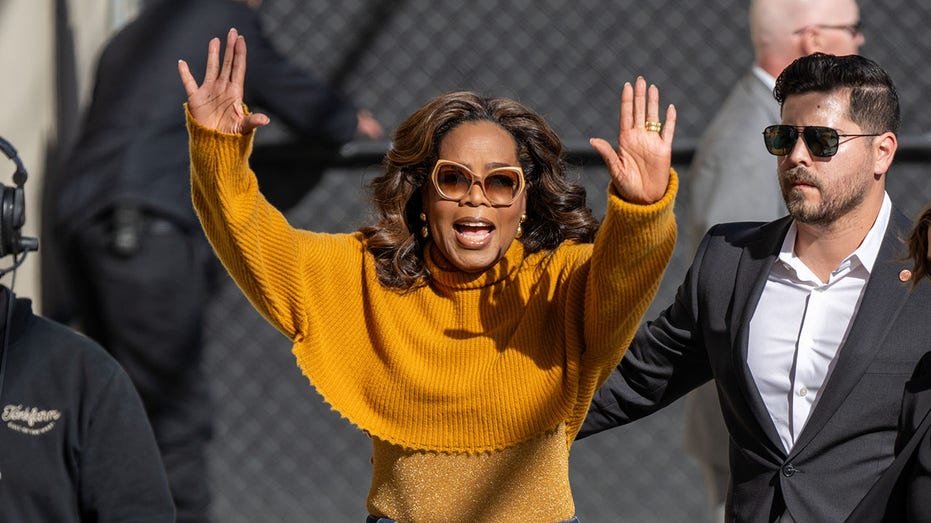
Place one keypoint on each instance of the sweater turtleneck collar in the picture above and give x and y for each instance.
(444, 274)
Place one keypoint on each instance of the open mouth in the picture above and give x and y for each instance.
(474, 233)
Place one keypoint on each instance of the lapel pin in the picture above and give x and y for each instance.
(905, 275)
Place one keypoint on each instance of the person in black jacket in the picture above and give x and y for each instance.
(141, 267)
(75, 443)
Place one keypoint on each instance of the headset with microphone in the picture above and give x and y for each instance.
(13, 212)
(12, 219)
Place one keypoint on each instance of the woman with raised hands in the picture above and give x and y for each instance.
(466, 330)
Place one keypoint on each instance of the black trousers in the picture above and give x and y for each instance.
(145, 303)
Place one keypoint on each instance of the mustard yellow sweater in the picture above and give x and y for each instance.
(472, 387)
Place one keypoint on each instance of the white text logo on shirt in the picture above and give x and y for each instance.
(30, 420)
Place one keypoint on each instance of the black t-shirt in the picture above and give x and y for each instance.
(75, 442)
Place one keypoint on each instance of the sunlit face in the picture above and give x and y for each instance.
(819, 191)
(834, 39)
(472, 234)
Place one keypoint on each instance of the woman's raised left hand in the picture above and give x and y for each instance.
(217, 102)
(640, 165)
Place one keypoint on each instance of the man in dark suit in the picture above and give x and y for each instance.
(807, 325)
(727, 186)
(140, 265)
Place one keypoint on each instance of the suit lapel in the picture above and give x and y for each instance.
(882, 300)
(756, 261)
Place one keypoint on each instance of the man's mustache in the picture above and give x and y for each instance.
(801, 175)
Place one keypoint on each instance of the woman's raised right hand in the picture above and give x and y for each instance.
(217, 102)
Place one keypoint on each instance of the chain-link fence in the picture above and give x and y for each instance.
(280, 453)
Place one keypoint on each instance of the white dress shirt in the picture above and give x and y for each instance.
(800, 324)
(764, 77)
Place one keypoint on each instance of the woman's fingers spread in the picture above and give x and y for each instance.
(627, 113)
(213, 60)
(652, 104)
(227, 70)
(239, 61)
(669, 128)
(640, 101)
(190, 85)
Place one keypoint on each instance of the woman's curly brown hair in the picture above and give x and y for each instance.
(556, 209)
(918, 246)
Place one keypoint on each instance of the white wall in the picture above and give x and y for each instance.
(26, 116)
(28, 92)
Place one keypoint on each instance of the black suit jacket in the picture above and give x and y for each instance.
(903, 492)
(849, 438)
(133, 145)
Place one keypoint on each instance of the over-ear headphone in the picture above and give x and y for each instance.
(13, 209)
(12, 219)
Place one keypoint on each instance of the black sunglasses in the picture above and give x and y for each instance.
(821, 141)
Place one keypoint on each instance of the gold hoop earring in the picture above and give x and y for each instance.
(424, 231)
(520, 229)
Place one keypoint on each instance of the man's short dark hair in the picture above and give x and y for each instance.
(874, 102)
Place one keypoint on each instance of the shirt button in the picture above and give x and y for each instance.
(789, 470)
(802, 392)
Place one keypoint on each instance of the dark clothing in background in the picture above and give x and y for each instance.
(148, 309)
(133, 146)
(134, 252)
(75, 444)
(903, 493)
(916, 412)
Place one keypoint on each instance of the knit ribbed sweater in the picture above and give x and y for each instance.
(466, 364)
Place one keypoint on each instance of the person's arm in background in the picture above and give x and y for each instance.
(296, 97)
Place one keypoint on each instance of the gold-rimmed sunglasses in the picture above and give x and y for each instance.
(501, 185)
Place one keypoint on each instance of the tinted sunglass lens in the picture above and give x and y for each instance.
(821, 141)
(452, 182)
(780, 139)
(500, 188)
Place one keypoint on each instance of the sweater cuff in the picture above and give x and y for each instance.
(223, 154)
(195, 127)
(663, 205)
